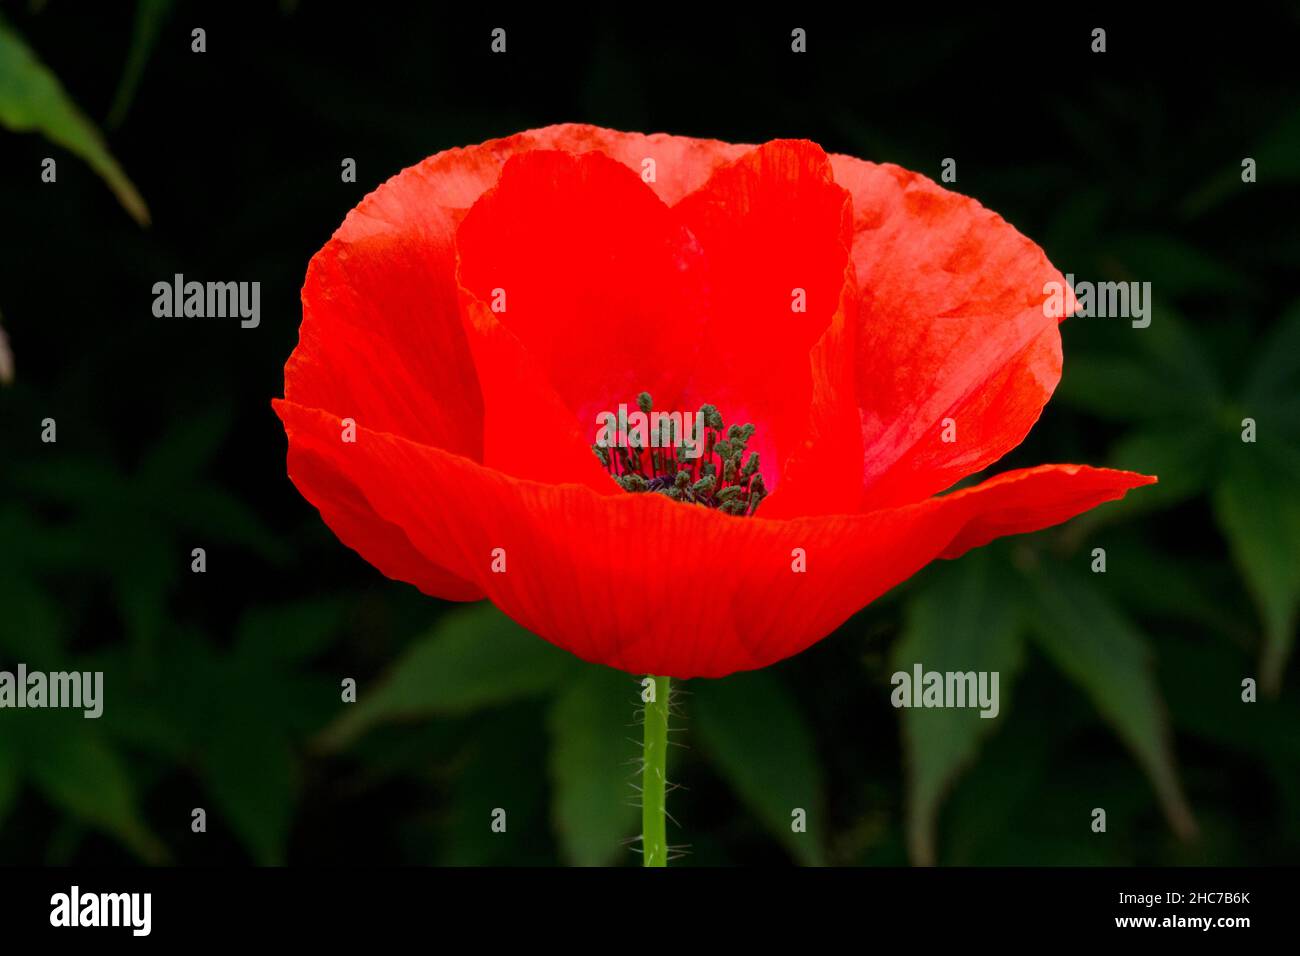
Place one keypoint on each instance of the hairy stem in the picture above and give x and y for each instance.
(654, 845)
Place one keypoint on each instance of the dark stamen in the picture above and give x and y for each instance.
(740, 489)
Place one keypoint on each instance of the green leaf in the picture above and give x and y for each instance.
(32, 99)
(30, 627)
(185, 450)
(1259, 511)
(1205, 687)
(75, 481)
(141, 582)
(239, 713)
(287, 634)
(594, 756)
(997, 816)
(251, 773)
(78, 772)
(475, 657)
(1117, 388)
(1179, 454)
(502, 767)
(962, 620)
(751, 727)
(1179, 358)
(1157, 373)
(149, 17)
(211, 512)
(1272, 393)
(1176, 268)
(149, 710)
(1094, 644)
(1192, 590)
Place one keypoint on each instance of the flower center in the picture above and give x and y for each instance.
(687, 458)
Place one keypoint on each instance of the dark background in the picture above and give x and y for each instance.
(1120, 691)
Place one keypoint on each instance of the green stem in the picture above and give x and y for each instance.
(654, 845)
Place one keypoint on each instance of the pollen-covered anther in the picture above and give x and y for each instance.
(700, 469)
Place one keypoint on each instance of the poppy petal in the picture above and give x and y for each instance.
(648, 585)
(348, 514)
(578, 278)
(776, 233)
(604, 291)
(672, 166)
(382, 340)
(956, 354)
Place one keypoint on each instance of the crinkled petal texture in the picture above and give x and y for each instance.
(467, 323)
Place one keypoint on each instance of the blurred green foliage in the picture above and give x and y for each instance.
(1119, 690)
(31, 98)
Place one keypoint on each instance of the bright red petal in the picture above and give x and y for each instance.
(651, 586)
(382, 339)
(952, 327)
(596, 288)
(608, 292)
(347, 512)
(776, 235)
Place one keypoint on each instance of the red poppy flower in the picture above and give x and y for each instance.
(470, 319)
